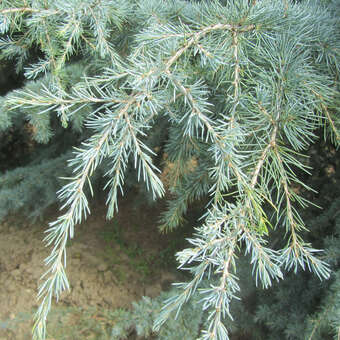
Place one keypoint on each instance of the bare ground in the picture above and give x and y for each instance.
(110, 264)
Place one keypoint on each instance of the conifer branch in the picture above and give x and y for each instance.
(63, 228)
(21, 9)
(149, 176)
(195, 37)
(265, 152)
(29, 99)
(238, 91)
(236, 82)
(220, 305)
(328, 115)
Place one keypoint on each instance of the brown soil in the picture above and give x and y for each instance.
(110, 264)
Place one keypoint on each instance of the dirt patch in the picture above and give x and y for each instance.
(110, 264)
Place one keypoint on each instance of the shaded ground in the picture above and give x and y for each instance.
(110, 264)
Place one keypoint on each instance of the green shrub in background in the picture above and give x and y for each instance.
(217, 100)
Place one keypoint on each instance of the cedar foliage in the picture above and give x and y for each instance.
(301, 307)
(216, 100)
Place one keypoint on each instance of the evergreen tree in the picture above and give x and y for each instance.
(216, 100)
